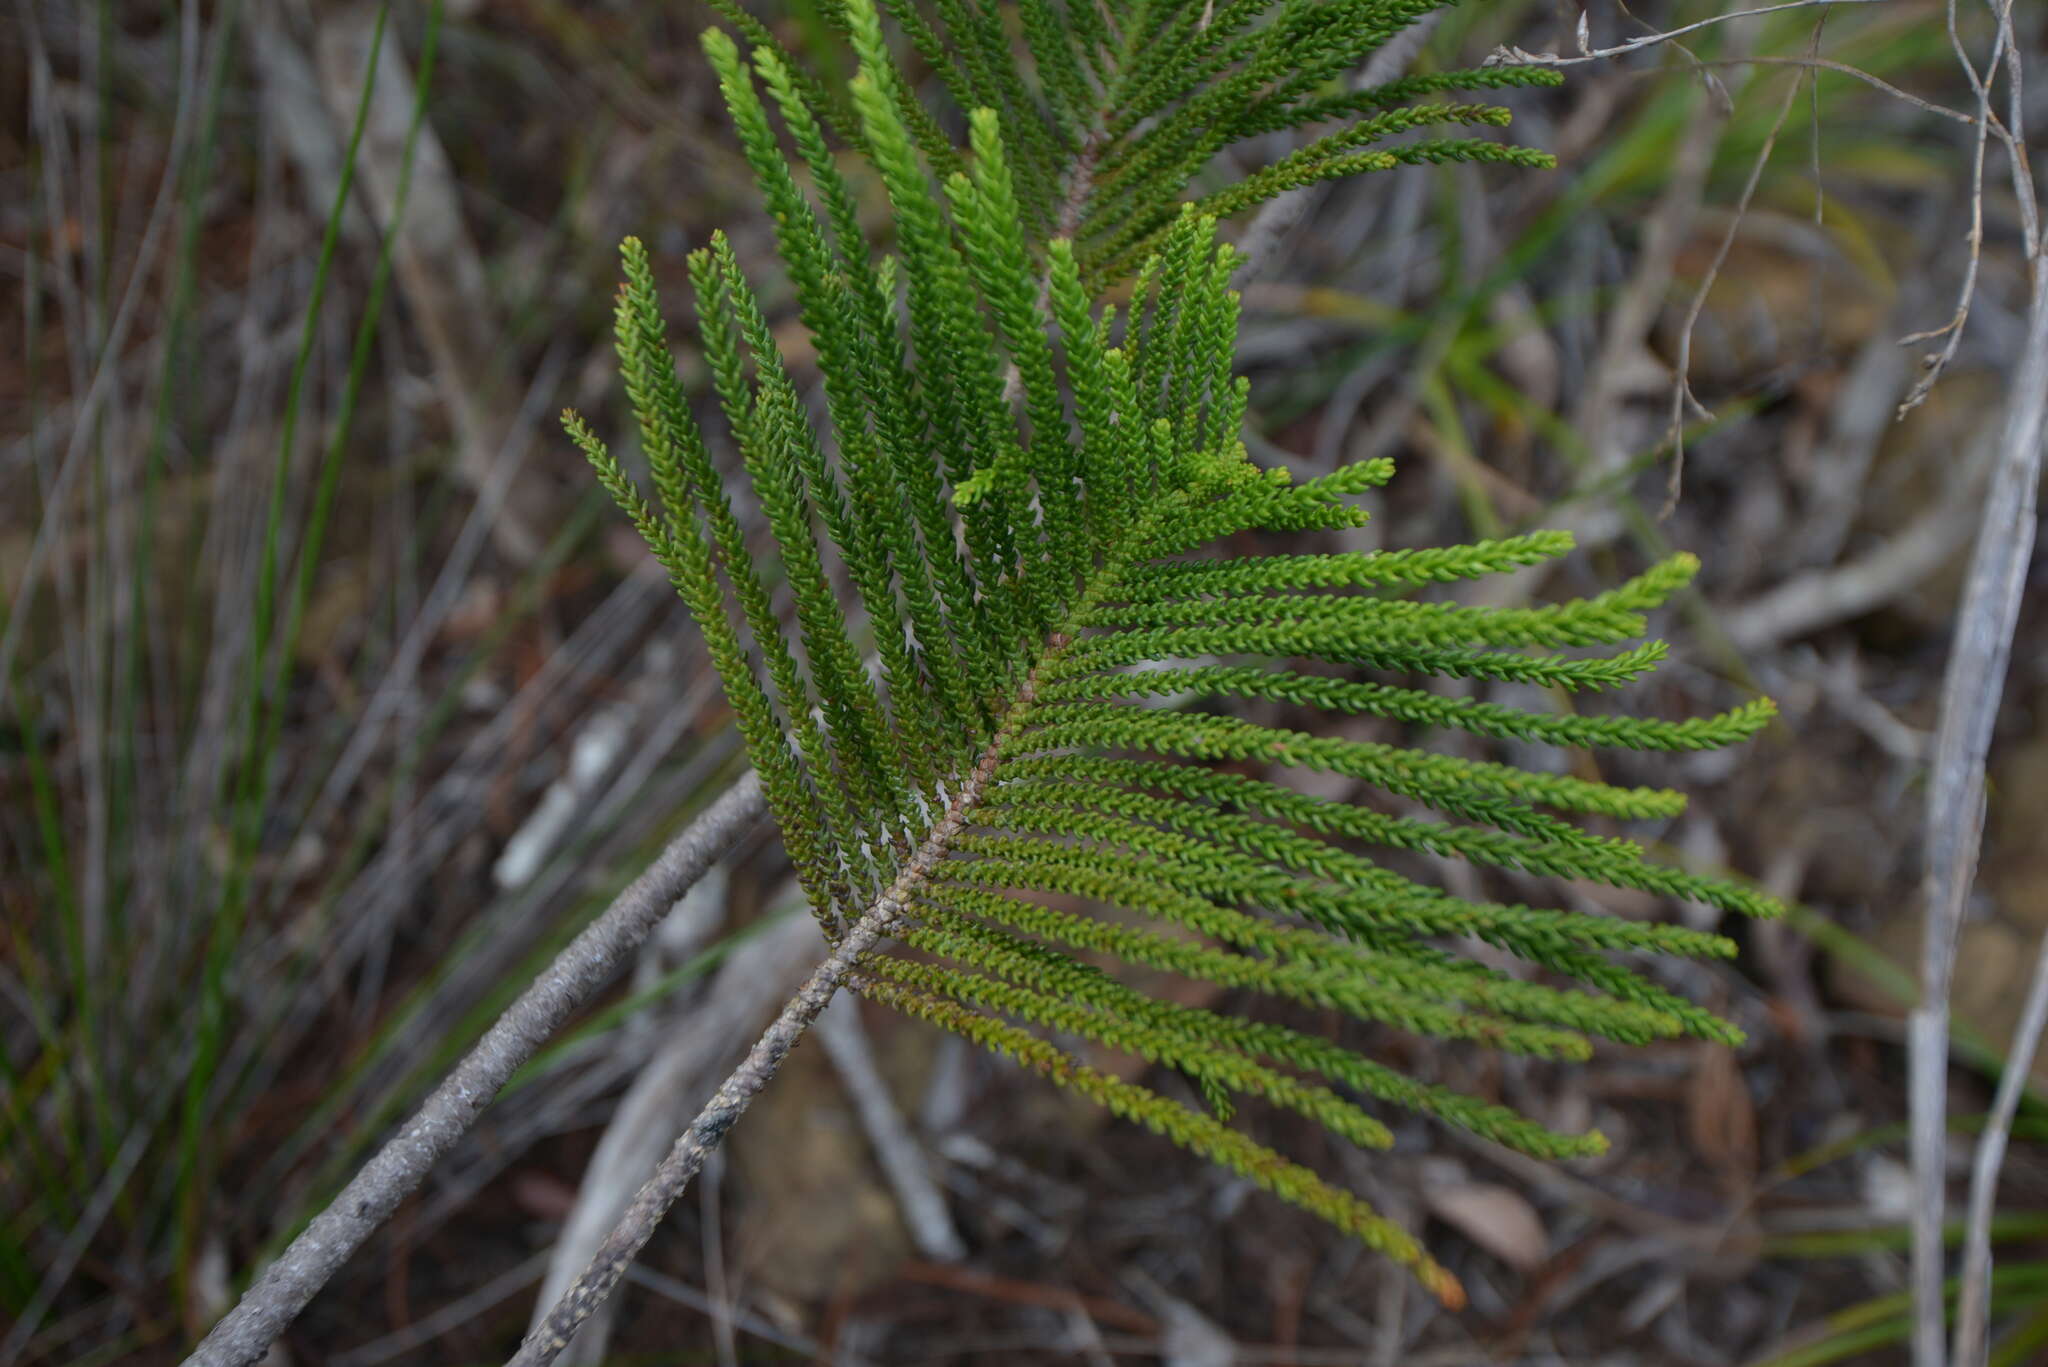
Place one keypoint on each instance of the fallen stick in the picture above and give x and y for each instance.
(290, 1283)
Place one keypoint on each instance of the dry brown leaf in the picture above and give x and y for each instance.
(542, 1195)
(1720, 1117)
(1496, 1218)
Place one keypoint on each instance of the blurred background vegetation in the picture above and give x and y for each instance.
(332, 702)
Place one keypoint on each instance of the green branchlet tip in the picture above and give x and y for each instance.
(975, 487)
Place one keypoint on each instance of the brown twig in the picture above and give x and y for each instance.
(1016, 1291)
(1980, 84)
(1682, 396)
(1514, 56)
(290, 1283)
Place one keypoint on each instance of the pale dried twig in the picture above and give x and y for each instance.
(637, 1225)
(1927, 1124)
(1514, 56)
(1952, 331)
(1875, 82)
(1836, 593)
(1974, 1287)
(1971, 691)
(700, 1045)
(753, 1324)
(902, 1160)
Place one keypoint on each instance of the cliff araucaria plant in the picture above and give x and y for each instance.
(1027, 495)
(987, 641)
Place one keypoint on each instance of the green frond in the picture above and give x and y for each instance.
(1124, 648)
(1049, 970)
(998, 548)
(865, 522)
(1311, 983)
(780, 454)
(1617, 863)
(1354, 569)
(1192, 1130)
(1445, 781)
(1613, 616)
(1070, 789)
(1224, 1069)
(1421, 708)
(863, 29)
(819, 95)
(1275, 115)
(1123, 850)
(798, 810)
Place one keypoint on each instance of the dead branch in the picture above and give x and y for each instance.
(701, 1044)
(1973, 1297)
(1514, 56)
(291, 1282)
(546, 1342)
(1970, 696)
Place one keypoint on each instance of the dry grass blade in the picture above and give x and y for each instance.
(106, 370)
(442, 273)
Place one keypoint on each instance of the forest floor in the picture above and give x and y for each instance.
(493, 713)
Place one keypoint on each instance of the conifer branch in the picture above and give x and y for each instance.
(1023, 493)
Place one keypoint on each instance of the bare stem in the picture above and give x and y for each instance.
(1971, 691)
(1973, 1294)
(290, 1283)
